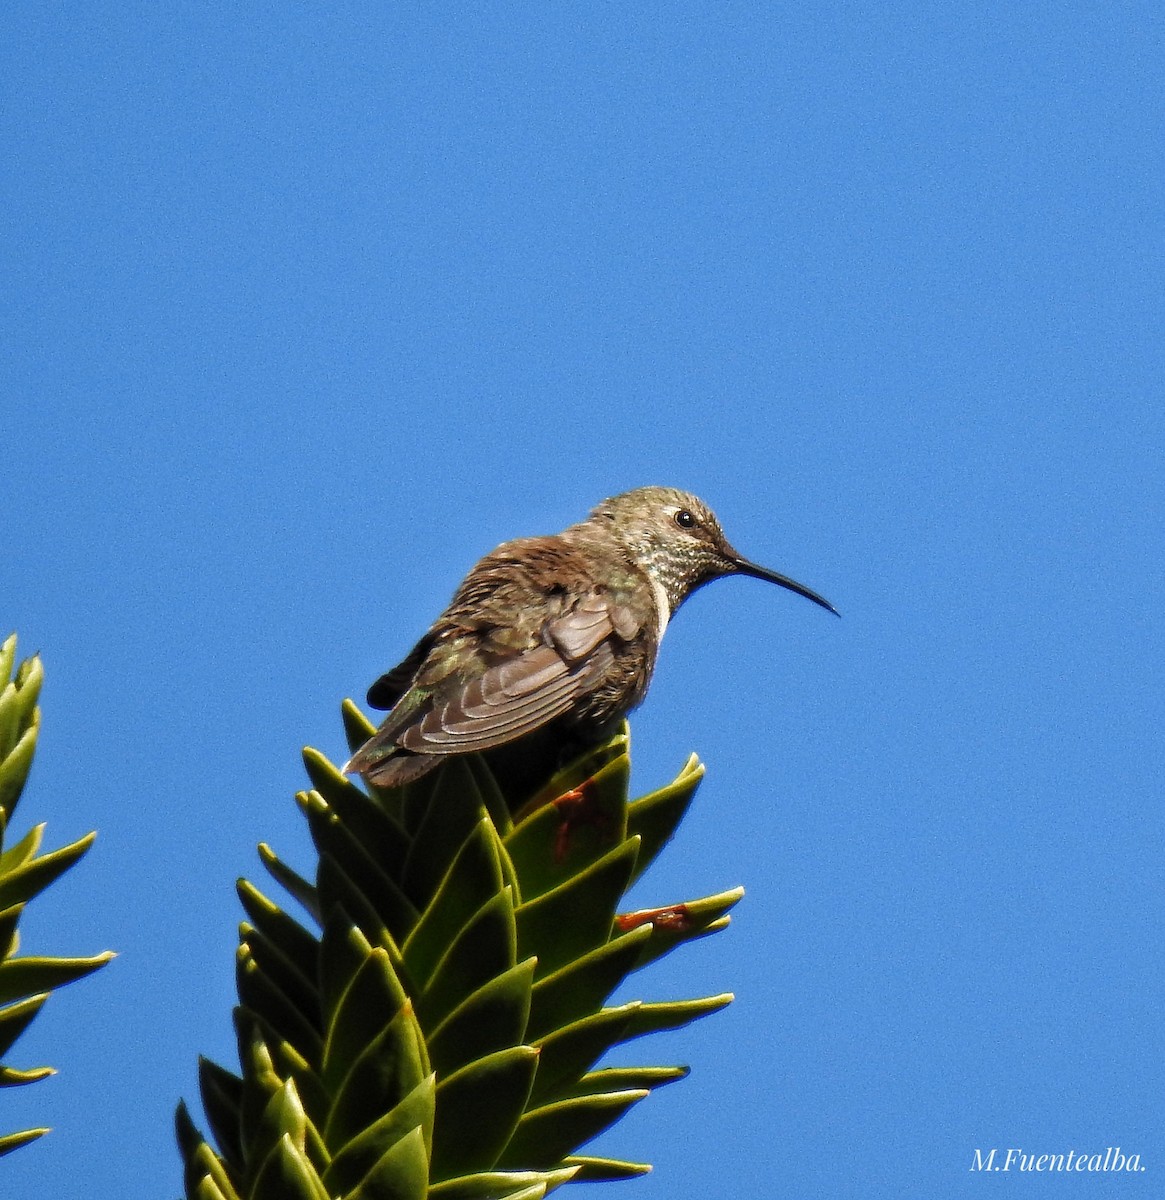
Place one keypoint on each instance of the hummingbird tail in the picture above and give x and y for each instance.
(392, 772)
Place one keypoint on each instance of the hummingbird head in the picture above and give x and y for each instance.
(675, 537)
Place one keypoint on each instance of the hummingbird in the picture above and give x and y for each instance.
(558, 631)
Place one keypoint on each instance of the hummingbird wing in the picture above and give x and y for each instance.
(522, 692)
(392, 685)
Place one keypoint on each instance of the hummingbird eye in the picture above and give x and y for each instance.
(684, 519)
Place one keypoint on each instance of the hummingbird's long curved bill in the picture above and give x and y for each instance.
(744, 567)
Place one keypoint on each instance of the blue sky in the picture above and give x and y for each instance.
(307, 307)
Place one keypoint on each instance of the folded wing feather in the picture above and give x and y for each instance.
(523, 693)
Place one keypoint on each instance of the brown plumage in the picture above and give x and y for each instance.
(550, 629)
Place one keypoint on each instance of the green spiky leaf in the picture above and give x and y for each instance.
(364, 1152)
(442, 1034)
(603, 1170)
(15, 1019)
(283, 931)
(474, 877)
(368, 1008)
(546, 1135)
(401, 1173)
(484, 949)
(582, 986)
(489, 1019)
(655, 816)
(21, 977)
(479, 1108)
(287, 1174)
(490, 1185)
(575, 917)
(13, 1141)
(20, 884)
